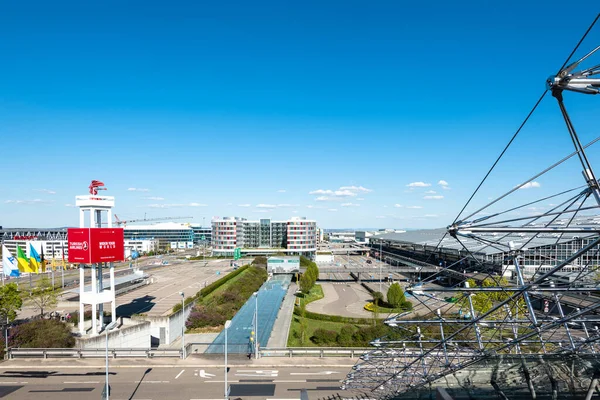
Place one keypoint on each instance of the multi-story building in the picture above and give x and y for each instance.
(294, 236)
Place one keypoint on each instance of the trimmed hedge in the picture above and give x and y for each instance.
(216, 284)
(332, 318)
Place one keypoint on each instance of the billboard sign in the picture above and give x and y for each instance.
(95, 245)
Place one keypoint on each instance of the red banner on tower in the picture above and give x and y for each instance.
(95, 245)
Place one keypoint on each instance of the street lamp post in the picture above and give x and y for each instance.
(107, 329)
(380, 258)
(182, 325)
(227, 325)
(256, 325)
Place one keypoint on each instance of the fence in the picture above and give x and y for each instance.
(92, 353)
(237, 348)
(192, 348)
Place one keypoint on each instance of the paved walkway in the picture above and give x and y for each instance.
(281, 327)
(347, 299)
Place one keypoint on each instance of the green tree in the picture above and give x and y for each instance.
(303, 323)
(377, 298)
(395, 295)
(10, 302)
(306, 283)
(43, 296)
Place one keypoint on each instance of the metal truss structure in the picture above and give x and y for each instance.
(510, 337)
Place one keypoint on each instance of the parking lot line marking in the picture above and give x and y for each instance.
(178, 375)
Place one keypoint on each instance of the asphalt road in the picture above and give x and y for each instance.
(173, 382)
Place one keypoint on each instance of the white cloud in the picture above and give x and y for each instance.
(529, 185)
(295, 211)
(344, 191)
(332, 209)
(442, 182)
(131, 189)
(360, 199)
(414, 207)
(380, 217)
(398, 205)
(48, 191)
(430, 216)
(70, 205)
(350, 205)
(356, 189)
(281, 191)
(322, 198)
(430, 192)
(419, 184)
(29, 202)
(154, 198)
(197, 205)
(321, 191)
(284, 205)
(243, 205)
(262, 210)
(435, 197)
(266, 206)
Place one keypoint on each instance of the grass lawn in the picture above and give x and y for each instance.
(316, 293)
(311, 326)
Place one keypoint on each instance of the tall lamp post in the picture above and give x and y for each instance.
(107, 329)
(227, 325)
(255, 294)
(182, 325)
(380, 261)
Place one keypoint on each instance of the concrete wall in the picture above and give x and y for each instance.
(136, 336)
(165, 330)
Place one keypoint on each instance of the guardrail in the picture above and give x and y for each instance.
(92, 353)
(320, 352)
(289, 352)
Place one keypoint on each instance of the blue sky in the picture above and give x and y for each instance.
(329, 110)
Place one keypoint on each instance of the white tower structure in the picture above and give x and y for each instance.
(96, 207)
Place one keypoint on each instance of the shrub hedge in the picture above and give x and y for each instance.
(224, 305)
(332, 318)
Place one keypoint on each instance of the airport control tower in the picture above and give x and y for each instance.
(95, 248)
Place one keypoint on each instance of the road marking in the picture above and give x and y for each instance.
(76, 382)
(260, 371)
(152, 381)
(204, 374)
(8, 383)
(178, 375)
(314, 373)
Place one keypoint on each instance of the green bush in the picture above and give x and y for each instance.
(324, 337)
(42, 333)
(218, 283)
(332, 318)
(214, 311)
(345, 337)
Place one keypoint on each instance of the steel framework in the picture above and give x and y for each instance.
(507, 334)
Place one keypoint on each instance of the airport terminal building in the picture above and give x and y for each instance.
(543, 251)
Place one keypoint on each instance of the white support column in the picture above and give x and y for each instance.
(113, 302)
(81, 217)
(94, 304)
(81, 305)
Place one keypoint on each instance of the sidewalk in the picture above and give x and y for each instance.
(281, 327)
